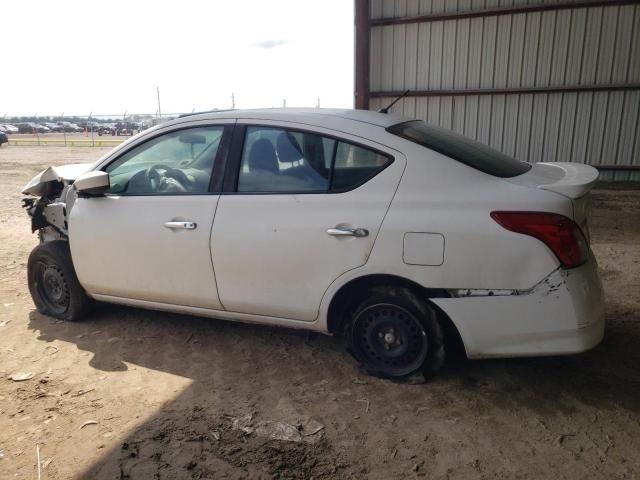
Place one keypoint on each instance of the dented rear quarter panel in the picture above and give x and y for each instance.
(563, 314)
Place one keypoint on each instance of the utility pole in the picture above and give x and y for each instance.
(284, 103)
(89, 122)
(159, 111)
(64, 129)
(233, 101)
(36, 130)
(318, 105)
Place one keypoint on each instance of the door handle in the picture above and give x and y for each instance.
(181, 225)
(348, 232)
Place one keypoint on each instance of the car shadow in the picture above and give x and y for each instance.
(238, 368)
(235, 369)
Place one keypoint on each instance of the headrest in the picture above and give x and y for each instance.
(263, 156)
(288, 148)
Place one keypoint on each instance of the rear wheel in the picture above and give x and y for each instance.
(53, 283)
(393, 333)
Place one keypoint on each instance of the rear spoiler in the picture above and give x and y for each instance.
(572, 180)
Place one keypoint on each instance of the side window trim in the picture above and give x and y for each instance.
(232, 170)
(333, 164)
(234, 160)
(219, 164)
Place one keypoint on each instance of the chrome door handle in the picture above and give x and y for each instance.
(348, 232)
(181, 225)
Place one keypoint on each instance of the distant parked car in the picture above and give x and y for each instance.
(70, 127)
(9, 129)
(126, 128)
(107, 129)
(32, 127)
(54, 127)
(3, 138)
(92, 126)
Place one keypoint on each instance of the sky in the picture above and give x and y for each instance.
(81, 57)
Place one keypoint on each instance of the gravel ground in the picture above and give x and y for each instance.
(133, 394)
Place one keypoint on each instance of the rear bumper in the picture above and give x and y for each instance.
(563, 314)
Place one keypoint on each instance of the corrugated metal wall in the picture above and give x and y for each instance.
(543, 49)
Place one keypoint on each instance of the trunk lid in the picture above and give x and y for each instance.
(572, 180)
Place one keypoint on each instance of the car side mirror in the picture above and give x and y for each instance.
(92, 183)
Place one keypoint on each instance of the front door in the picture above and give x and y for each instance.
(307, 207)
(149, 237)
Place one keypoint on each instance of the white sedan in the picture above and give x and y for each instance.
(390, 232)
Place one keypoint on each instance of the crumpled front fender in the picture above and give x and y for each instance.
(39, 184)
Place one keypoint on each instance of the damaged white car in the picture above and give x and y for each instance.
(398, 235)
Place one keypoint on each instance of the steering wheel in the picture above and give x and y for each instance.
(160, 178)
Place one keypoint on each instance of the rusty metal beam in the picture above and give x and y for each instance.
(362, 32)
(617, 167)
(497, 11)
(507, 91)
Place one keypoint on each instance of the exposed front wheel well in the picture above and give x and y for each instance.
(53, 283)
(354, 292)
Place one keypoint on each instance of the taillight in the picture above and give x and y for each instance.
(561, 234)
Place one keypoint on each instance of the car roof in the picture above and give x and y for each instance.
(322, 117)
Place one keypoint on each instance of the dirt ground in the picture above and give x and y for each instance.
(133, 394)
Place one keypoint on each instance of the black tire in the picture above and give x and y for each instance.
(53, 283)
(393, 334)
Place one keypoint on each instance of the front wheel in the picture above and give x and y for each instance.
(53, 283)
(393, 333)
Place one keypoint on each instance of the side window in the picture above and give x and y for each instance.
(354, 165)
(278, 160)
(173, 163)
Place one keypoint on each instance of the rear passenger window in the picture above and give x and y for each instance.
(277, 160)
(280, 160)
(354, 165)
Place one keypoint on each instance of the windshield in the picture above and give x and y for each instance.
(460, 148)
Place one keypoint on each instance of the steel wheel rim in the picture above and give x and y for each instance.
(52, 287)
(391, 339)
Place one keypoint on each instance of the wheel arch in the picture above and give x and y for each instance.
(353, 292)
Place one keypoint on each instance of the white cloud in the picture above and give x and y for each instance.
(269, 44)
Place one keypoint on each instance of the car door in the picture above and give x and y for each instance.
(304, 207)
(148, 238)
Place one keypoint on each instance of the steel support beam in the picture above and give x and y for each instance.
(633, 168)
(498, 11)
(507, 91)
(362, 40)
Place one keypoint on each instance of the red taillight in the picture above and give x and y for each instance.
(559, 233)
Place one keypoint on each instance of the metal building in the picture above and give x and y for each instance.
(554, 80)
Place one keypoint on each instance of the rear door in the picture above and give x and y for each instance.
(301, 208)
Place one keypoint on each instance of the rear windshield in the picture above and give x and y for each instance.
(460, 148)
